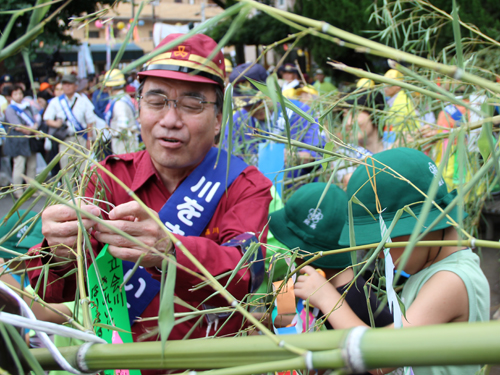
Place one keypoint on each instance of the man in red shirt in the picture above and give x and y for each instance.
(180, 101)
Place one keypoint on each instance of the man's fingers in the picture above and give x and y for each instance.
(61, 213)
(123, 211)
(134, 228)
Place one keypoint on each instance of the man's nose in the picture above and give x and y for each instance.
(171, 117)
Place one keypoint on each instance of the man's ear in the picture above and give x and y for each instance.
(218, 121)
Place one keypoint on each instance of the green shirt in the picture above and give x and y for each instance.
(324, 88)
(465, 264)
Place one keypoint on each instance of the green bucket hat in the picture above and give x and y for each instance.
(34, 237)
(300, 225)
(393, 194)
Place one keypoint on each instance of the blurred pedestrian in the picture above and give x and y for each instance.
(120, 115)
(402, 116)
(290, 75)
(17, 145)
(322, 86)
(71, 116)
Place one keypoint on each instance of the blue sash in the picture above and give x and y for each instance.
(187, 212)
(108, 112)
(70, 116)
(191, 207)
(23, 115)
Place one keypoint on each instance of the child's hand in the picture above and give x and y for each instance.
(315, 287)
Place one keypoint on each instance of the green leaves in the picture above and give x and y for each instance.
(166, 318)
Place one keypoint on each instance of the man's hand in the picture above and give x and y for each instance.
(137, 222)
(60, 227)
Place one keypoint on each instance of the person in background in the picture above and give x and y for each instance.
(132, 93)
(120, 115)
(5, 81)
(229, 69)
(323, 87)
(17, 144)
(290, 75)
(58, 89)
(446, 284)
(46, 87)
(402, 116)
(74, 114)
(365, 84)
(251, 117)
(100, 98)
(362, 121)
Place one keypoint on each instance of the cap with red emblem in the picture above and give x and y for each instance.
(187, 61)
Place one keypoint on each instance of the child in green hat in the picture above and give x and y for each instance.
(313, 229)
(446, 283)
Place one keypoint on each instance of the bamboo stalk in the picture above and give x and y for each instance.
(393, 53)
(445, 344)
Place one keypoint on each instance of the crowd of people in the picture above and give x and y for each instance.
(217, 210)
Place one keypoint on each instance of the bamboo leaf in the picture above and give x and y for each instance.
(271, 83)
(328, 147)
(31, 190)
(8, 28)
(38, 13)
(458, 37)
(265, 90)
(10, 347)
(166, 317)
(357, 201)
(227, 115)
(126, 40)
(284, 113)
(111, 328)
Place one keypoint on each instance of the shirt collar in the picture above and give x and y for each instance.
(144, 170)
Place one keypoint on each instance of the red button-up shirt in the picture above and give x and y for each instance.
(243, 209)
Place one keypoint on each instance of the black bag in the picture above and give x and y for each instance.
(60, 133)
(36, 145)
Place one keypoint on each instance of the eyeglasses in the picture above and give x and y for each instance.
(188, 105)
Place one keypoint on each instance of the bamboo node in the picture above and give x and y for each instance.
(234, 303)
(281, 344)
(309, 360)
(81, 363)
(473, 243)
(458, 73)
(351, 352)
(192, 373)
(325, 27)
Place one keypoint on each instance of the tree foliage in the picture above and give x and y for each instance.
(414, 26)
(260, 29)
(54, 33)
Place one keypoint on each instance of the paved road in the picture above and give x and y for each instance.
(7, 202)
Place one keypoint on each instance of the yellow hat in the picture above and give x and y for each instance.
(115, 78)
(365, 82)
(306, 89)
(394, 74)
(290, 94)
(229, 66)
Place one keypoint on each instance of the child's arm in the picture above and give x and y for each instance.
(442, 299)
